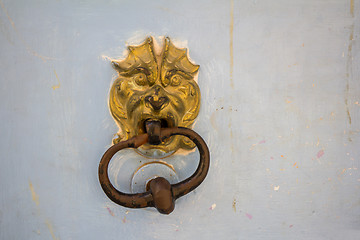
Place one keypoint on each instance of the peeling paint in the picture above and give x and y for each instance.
(213, 207)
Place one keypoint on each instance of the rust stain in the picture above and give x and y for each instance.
(231, 42)
(352, 8)
(34, 196)
(234, 205)
(58, 85)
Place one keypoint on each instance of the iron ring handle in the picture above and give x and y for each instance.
(162, 194)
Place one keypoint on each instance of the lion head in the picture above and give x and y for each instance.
(155, 85)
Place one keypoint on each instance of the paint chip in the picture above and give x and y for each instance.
(320, 153)
(58, 80)
(111, 212)
(234, 205)
(213, 207)
(249, 215)
(276, 188)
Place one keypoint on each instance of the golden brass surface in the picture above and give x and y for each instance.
(155, 85)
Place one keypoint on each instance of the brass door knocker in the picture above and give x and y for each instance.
(155, 101)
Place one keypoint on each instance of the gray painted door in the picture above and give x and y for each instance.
(279, 110)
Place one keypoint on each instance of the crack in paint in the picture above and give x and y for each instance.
(51, 230)
(58, 85)
(349, 69)
(231, 42)
(28, 48)
(34, 196)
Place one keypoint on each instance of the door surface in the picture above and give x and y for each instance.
(280, 95)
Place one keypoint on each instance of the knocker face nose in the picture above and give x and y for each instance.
(156, 100)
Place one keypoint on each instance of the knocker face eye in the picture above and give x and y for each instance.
(176, 80)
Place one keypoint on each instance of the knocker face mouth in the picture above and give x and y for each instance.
(158, 87)
(167, 121)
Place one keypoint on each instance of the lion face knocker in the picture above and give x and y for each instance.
(157, 86)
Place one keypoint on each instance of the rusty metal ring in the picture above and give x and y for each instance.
(162, 194)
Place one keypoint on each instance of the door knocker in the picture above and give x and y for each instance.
(155, 101)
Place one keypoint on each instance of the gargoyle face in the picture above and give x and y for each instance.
(155, 86)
